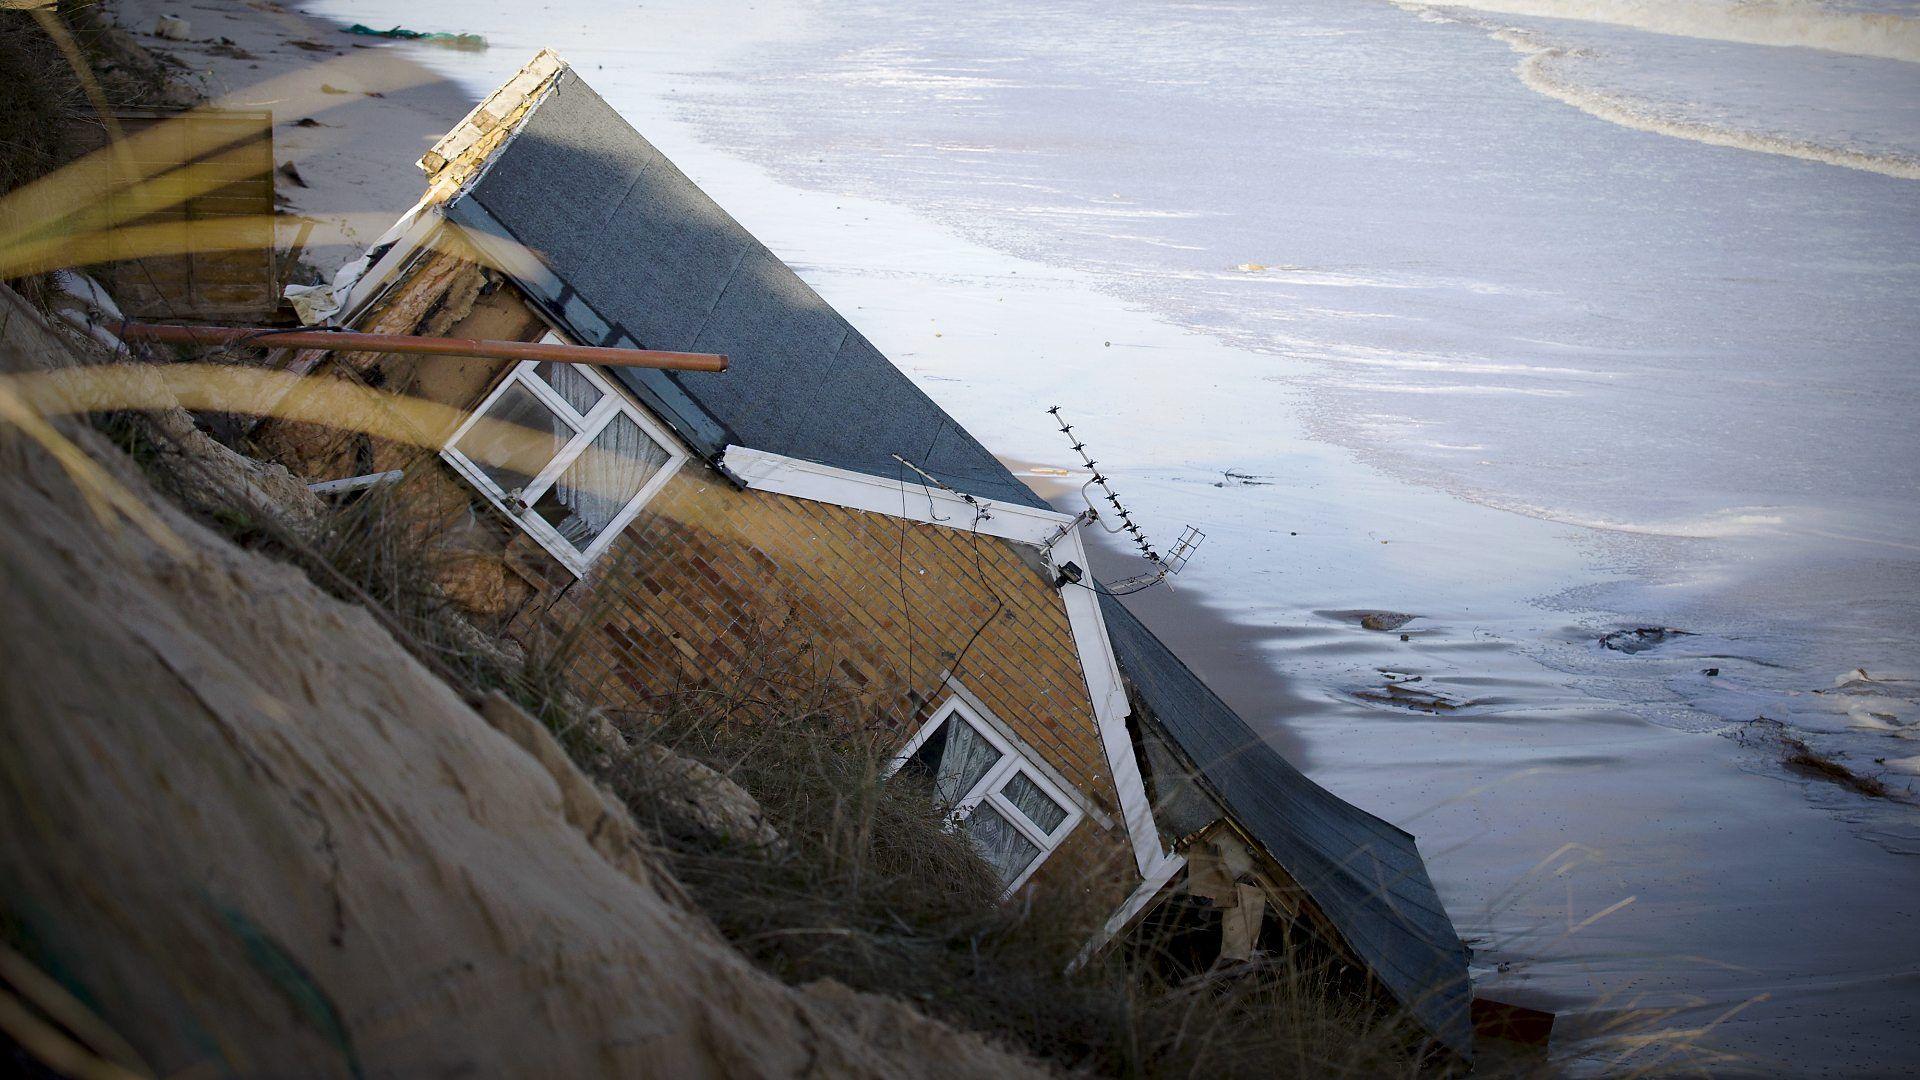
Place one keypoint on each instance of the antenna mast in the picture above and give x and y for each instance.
(1164, 568)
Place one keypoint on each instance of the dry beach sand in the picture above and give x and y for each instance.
(350, 117)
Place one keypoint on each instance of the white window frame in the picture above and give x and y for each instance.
(588, 425)
(1015, 759)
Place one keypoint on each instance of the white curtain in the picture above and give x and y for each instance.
(598, 484)
(965, 759)
(1039, 807)
(1001, 844)
(567, 381)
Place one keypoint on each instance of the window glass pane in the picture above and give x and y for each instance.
(570, 384)
(599, 483)
(1001, 844)
(1039, 806)
(955, 757)
(522, 438)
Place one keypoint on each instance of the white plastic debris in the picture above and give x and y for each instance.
(84, 305)
(313, 303)
(317, 305)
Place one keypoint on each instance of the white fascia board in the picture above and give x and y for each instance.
(1110, 707)
(915, 501)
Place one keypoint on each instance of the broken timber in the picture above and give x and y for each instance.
(348, 341)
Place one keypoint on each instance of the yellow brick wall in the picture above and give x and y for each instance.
(711, 586)
(709, 579)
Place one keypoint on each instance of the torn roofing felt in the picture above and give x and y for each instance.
(1365, 874)
(632, 253)
(640, 257)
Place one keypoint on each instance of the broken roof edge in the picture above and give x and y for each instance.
(489, 127)
(1438, 1001)
(1343, 938)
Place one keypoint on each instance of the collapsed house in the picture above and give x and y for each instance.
(691, 523)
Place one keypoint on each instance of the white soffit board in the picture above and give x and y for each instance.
(915, 501)
(1153, 881)
(406, 238)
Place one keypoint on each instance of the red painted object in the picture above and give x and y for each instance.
(350, 341)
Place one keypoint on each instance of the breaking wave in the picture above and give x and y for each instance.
(1802, 23)
(1738, 521)
(1537, 73)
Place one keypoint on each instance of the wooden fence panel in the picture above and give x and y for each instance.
(207, 175)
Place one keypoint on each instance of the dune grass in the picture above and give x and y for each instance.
(869, 885)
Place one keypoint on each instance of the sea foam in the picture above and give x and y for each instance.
(1786, 23)
(1545, 66)
(1537, 72)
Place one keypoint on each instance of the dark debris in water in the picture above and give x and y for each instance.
(1804, 760)
(1238, 479)
(1401, 690)
(1640, 639)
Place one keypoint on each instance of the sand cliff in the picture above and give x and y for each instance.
(254, 835)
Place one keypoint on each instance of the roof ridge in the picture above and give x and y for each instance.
(504, 113)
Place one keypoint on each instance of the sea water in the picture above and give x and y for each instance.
(1538, 319)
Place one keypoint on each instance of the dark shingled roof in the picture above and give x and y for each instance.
(1366, 875)
(635, 254)
(642, 257)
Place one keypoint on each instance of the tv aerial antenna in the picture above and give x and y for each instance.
(1163, 567)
